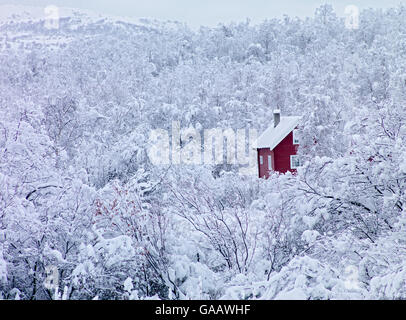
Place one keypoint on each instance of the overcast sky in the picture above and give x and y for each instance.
(208, 12)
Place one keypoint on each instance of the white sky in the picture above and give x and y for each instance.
(207, 12)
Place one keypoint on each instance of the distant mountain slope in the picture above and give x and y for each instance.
(30, 26)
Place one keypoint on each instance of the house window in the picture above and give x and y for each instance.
(269, 163)
(294, 162)
(295, 136)
(261, 160)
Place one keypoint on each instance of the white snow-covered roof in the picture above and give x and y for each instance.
(274, 135)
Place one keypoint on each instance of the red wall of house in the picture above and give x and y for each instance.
(280, 157)
(283, 151)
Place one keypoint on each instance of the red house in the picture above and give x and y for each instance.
(278, 145)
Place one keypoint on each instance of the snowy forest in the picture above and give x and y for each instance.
(84, 214)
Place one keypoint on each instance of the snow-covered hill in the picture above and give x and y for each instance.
(31, 26)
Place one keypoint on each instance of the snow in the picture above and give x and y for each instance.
(128, 284)
(57, 255)
(310, 221)
(3, 268)
(402, 166)
(294, 294)
(25, 13)
(310, 236)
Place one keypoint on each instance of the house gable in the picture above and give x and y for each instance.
(274, 135)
